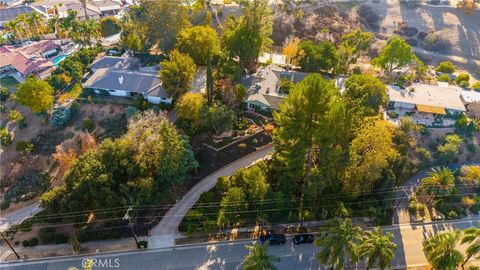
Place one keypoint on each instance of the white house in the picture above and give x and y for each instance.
(126, 83)
(440, 100)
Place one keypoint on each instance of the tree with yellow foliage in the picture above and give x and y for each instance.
(468, 6)
(290, 50)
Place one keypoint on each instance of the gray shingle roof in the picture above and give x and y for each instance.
(116, 62)
(130, 81)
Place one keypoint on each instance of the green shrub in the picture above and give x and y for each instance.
(4, 93)
(131, 111)
(464, 84)
(241, 146)
(25, 243)
(392, 114)
(445, 67)
(462, 77)
(59, 81)
(412, 206)
(60, 239)
(444, 78)
(4, 204)
(24, 147)
(47, 235)
(421, 210)
(88, 124)
(109, 26)
(26, 225)
(451, 215)
(33, 242)
(476, 86)
(5, 137)
(142, 244)
(60, 117)
(15, 116)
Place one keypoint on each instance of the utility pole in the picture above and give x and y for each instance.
(130, 224)
(10, 245)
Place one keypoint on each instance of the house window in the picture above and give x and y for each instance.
(251, 105)
(111, 90)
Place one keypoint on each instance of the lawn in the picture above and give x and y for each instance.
(9, 82)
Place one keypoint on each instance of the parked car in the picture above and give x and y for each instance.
(273, 239)
(303, 238)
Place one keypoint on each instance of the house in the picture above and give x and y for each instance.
(30, 59)
(426, 98)
(8, 14)
(116, 62)
(269, 86)
(128, 83)
(108, 7)
(430, 105)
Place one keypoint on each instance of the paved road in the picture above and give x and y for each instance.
(163, 235)
(230, 255)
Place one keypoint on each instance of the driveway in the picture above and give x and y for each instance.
(163, 235)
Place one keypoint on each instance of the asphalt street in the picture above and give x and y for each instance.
(230, 255)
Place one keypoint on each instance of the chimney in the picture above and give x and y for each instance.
(120, 79)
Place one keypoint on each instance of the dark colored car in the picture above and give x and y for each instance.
(273, 239)
(303, 238)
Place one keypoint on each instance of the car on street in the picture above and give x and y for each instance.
(303, 239)
(273, 238)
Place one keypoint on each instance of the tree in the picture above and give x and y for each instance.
(60, 117)
(290, 50)
(109, 26)
(88, 31)
(177, 74)
(445, 67)
(218, 117)
(259, 259)
(4, 93)
(162, 21)
(59, 81)
(340, 243)
(441, 251)
(197, 42)
(133, 36)
(440, 181)
(371, 153)
(468, 6)
(317, 57)
(395, 55)
(368, 92)
(209, 78)
(353, 44)
(253, 28)
(190, 106)
(471, 236)
(158, 148)
(232, 203)
(470, 174)
(35, 94)
(305, 109)
(449, 150)
(377, 247)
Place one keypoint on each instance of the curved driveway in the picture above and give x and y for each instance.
(163, 235)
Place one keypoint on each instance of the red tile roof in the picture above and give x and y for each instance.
(22, 58)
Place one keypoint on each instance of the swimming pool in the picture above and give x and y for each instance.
(59, 59)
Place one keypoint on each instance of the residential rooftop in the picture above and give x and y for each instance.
(129, 81)
(427, 95)
(116, 62)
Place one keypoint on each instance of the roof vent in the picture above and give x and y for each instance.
(120, 79)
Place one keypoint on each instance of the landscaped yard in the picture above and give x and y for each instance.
(9, 82)
(71, 94)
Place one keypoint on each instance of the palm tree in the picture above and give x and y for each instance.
(472, 237)
(377, 246)
(441, 251)
(439, 181)
(258, 258)
(339, 244)
(36, 23)
(88, 30)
